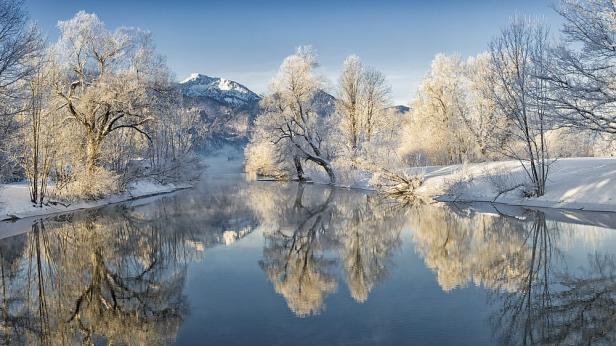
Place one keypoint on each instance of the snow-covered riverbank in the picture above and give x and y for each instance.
(575, 183)
(15, 200)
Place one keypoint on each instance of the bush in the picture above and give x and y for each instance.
(82, 184)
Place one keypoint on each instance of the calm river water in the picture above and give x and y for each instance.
(259, 263)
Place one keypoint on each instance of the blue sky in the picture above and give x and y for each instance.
(246, 40)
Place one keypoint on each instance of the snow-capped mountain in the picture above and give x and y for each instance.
(227, 108)
(222, 90)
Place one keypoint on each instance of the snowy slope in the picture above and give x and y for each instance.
(575, 183)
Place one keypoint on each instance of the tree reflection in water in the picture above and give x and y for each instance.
(462, 249)
(117, 275)
(318, 229)
(293, 256)
(557, 304)
(538, 296)
(115, 279)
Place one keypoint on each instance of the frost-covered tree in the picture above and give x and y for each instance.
(290, 119)
(490, 131)
(582, 77)
(109, 81)
(348, 103)
(454, 117)
(265, 158)
(519, 57)
(363, 131)
(363, 96)
(296, 128)
(436, 127)
(18, 42)
(376, 99)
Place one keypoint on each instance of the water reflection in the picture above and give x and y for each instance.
(556, 304)
(541, 294)
(293, 256)
(318, 229)
(114, 275)
(118, 275)
(478, 248)
(90, 278)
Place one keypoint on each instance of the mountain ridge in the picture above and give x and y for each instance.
(223, 90)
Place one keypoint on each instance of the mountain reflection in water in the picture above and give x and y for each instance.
(119, 275)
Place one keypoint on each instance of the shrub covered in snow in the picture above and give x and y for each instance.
(84, 184)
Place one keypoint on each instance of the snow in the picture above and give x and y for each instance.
(192, 77)
(220, 89)
(574, 183)
(202, 83)
(578, 184)
(225, 84)
(15, 200)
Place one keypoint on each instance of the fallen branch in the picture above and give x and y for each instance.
(400, 186)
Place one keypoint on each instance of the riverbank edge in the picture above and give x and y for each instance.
(85, 205)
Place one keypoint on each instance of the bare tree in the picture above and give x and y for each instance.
(581, 79)
(519, 59)
(39, 130)
(175, 134)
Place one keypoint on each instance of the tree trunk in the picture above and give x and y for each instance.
(92, 152)
(299, 168)
(326, 166)
(330, 173)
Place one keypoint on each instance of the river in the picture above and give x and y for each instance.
(262, 263)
